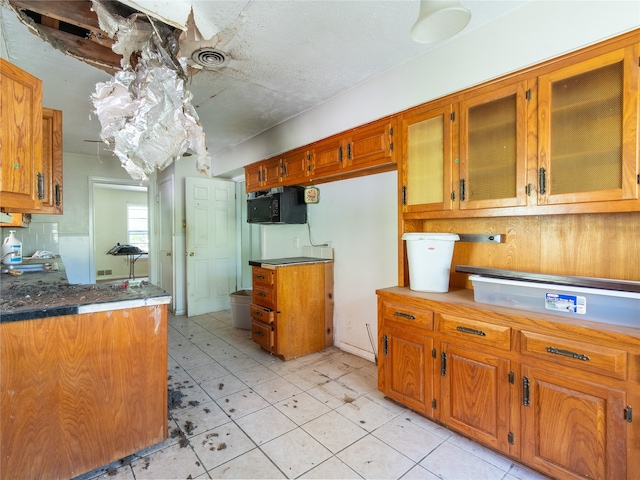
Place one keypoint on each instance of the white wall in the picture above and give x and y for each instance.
(73, 227)
(359, 216)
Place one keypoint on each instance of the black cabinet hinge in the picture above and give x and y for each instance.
(404, 195)
(462, 190)
(638, 179)
(443, 364)
(510, 438)
(453, 196)
(628, 414)
(512, 378)
(453, 116)
(434, 353)
(391, 131)
(391, 146)
(434, 403)
(527, 95)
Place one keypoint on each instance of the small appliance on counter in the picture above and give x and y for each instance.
(277, 205)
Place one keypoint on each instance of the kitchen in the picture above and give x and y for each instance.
(373, 246)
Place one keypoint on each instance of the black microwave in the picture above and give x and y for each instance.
(278, 205)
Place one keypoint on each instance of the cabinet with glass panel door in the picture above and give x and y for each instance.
(587, 124)
(426, 170)
(493, 148)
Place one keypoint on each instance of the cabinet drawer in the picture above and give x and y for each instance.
(585, 356)
(477, 331)
(408, 314)
(264, 296)
(263, 276)
(262, 314)
(263, 335)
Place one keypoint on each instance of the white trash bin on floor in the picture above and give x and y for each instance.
(241, 309)
(429, 256)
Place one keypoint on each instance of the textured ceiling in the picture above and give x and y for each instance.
(284, 57)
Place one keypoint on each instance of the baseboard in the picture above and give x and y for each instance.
(357, 351)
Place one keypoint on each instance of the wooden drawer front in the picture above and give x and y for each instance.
(585, 356)
(408, 314)
(477, 331)
(263, 276)
(261, 314)
(263, 335)
(264, 296)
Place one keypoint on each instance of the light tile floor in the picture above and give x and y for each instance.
(246, 414)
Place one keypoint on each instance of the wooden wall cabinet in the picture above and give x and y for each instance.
(561, 137)
(292, 309)
(361, 151)
(21, 180)
(556, 395)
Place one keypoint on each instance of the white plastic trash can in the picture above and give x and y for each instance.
(429, 257)
(241, 309)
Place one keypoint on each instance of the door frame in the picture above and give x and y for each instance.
(151, 193)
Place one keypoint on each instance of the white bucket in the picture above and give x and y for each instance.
(429, 257)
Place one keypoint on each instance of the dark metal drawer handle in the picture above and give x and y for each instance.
(472, 331)
(259, 333)
(404, 315)
(261, 277)
(257, 312)
(260, 294)
(568, 353)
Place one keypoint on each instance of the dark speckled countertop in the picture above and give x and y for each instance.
(49, 294)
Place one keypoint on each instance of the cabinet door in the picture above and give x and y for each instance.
(254, 177)
(588, 130)
(476, 394)
(371, 145)
(493, 149)
(426, 169)
(328, 157)
(295, 166)
(407, 366)
(52, 161)
(572, 428)
(21, 180)
(272, 170)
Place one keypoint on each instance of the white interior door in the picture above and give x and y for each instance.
(211, 244)
(165, 247)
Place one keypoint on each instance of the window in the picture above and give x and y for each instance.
(138, 226)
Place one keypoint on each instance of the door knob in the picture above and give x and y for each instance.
(168, 254)
(191, 254)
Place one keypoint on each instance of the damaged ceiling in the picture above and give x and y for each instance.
(251, 64)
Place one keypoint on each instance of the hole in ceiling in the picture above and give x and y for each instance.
(209, 58)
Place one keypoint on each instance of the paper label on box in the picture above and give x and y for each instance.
(565, 303)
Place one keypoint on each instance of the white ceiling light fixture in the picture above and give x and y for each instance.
(438, 20)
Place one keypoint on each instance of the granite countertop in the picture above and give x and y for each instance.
(49, 294)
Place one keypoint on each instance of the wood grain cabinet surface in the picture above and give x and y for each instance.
(81, 391)
(21, 139)
(292, 308)
(555, 394)
(556, 138)
(360, 151)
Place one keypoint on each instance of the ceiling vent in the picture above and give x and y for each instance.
(209, 58)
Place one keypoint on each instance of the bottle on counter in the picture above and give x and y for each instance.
(11, 249)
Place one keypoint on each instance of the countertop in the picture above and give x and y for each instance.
(279, 262)
(49, 294)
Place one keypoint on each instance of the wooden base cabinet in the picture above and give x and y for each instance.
(292, 309)
(572, 428)
(81, 391)
(476, 395)
(555, 394)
